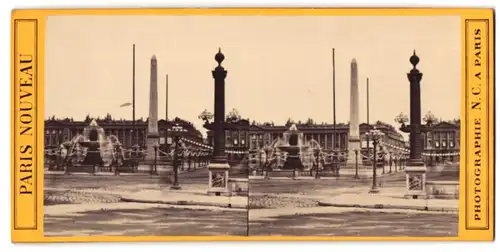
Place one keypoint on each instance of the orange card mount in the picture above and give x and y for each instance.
(252, 124)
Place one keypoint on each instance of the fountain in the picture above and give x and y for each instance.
(93, 147)
(289, 152)
(293, 144)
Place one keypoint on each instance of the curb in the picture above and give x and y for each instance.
(388, 206)
(341, 177)
(309, 178)
(138, 173)
(185, 203)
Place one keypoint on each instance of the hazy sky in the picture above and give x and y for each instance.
(278, 67)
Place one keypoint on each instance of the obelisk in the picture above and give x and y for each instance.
(353, 140)
(153, 136)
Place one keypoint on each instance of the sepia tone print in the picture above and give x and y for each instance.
(252, 126)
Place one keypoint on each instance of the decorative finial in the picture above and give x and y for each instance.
(219, 57)
(414, 59)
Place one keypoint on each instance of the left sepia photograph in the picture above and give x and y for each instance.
(134, 133)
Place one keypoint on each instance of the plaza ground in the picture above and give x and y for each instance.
(133, 219)
(85, 204)
(282, 207)
(325, 221)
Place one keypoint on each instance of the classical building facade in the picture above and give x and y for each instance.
(442, 140)
(236, 137)
(264, 134)
(58, 131)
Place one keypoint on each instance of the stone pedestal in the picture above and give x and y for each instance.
(150, 150)
(352, 145)
(415, 182)
(218, 178)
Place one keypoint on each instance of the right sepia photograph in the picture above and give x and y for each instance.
(371, 143)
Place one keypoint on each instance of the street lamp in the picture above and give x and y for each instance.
(356, 152)
(154, 171)
(375, 135)
(317, 158)
(390, 162)
(177, 132)
(131, 137)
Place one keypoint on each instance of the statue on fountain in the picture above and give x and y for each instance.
(92, 144)
(94, 148)
(293, 145)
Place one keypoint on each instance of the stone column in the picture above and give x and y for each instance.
(353, 139)
(415, 169)
(153, 136)
(414, 77)
(218, 168)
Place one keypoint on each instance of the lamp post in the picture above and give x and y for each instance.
(59, 156)
(177, 132)
(375, 135)
(390, 162)
(356, 152)
(154, 171)
(336, 161)
(383, 165)
(131, 137)
(316, 176)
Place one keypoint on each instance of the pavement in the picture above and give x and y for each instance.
(84, 189)
(357, 222)
(363, 172)
(264, 194)
(139, 219)
(142, 170)
(139, 204)
(189, 197)
(388, 198)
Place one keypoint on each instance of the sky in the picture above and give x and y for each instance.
(278, 66)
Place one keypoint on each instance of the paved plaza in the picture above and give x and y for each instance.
(144, 204)
(85, 204)
(326, 221)
(343, 207)
(138, 219)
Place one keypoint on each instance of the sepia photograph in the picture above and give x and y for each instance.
(210, 125)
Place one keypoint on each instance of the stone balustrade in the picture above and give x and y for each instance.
(442, 189)
(238, 186)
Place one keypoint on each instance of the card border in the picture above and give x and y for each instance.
(40, 16)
